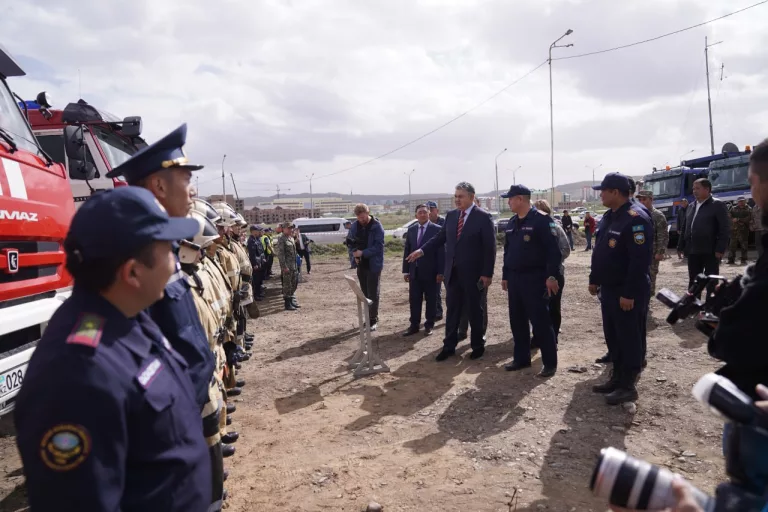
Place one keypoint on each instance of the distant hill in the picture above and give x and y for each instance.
(574, 189)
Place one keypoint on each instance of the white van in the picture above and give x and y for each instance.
(325, 230)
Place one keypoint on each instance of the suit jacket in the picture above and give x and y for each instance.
(430, 265)
(305, 240)
(474, 254)
(710, 232)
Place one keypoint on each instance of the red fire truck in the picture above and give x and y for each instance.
(36, 207)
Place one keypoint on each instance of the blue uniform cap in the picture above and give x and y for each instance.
(517, 190)
(166, 153)
(431, 204)
(614, 180)
(120, 221)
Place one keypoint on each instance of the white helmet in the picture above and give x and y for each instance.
(227, 218)
(208, 234)
(204, 207)
(219, 205)
(189, 249)
(240, 220)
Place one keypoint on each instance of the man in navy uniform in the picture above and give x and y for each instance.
(163, 169)
(469, 242)
(258, 259)
(621, 263)
(424, 274)
(107, 417)
(436, 218)
(532, 260)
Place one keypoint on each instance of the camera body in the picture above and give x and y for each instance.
(638, 485)
(720, 292)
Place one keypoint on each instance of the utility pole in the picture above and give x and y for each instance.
(709, 97)
(514, 173)
(409, 186)
(551, 115)
(223, 183)
(237, 196)
(498, 194)
(311, 197)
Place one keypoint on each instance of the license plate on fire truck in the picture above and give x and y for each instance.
(11, 380)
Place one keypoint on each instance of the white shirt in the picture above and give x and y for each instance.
(696, 211)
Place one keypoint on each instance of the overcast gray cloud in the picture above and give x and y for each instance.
(290, 88)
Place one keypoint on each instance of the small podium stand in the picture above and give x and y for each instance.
(365, 361)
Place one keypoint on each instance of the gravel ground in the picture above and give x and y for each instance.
(455, 436)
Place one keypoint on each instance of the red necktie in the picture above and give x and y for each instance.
(461, 224)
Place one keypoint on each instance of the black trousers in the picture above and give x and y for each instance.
(306, 257)
(369, 283)
(555, 313)
(464, 324)
(624, 330)
(463, 295)
(421, 290)
(706, 263)
(258, 280)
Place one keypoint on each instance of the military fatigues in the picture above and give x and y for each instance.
(244, 293)
(621, 262)
(660, 242)
(741, 216)
(286, 255)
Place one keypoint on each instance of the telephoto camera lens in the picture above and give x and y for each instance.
(634, 484)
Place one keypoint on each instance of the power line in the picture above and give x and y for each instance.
(493, 96)
(661, 36)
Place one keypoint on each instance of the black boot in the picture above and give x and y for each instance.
(625, 390)
(289, 305)
(295, 302)
(605, 359)
(608, 387)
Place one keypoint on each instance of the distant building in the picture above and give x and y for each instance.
(237, 204)
(276, 215)
(289, 204)
(333, 205)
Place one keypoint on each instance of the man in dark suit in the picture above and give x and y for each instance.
(705, 233)
(303, 249)
(436, 218)
(424, 274)
(470, 254)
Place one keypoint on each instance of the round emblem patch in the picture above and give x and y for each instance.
(64, 447)
(527, 238)
(639, 238)
(612, 243)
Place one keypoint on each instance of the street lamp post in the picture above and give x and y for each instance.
(409, 186)
(514, 173)
(593, 174)
(223, 182)
(551, 116)
(686, 153)
(498, 195)
(311, 197)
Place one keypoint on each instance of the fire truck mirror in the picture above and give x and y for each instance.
(74, 144)
(81, 170)
(132, 126)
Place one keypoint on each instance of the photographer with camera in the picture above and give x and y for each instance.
(739, 339)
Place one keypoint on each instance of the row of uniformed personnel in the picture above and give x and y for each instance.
(109, 415)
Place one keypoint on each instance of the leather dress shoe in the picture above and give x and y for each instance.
(605, 359)
(477, 353)
(229, 420)
(231, 408)
(445, 354)
(515, 366)
(234, 391)
(230, 437)
(428, 331)
(249, 337)
(410, 332)
(240, 383)
(227, 450)
(547, 371)
(224, 476)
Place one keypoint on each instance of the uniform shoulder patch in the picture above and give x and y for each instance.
(65, 446)
(639, 238)
(88, 330)
(632, 213)
(637, 228)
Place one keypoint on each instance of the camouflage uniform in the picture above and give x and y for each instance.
(740, 219)
(758, 228)
(660, 242)
(286, 255)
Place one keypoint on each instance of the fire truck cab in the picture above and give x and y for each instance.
(85, 140)
(36, 208)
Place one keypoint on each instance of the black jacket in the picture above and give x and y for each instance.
(710, 232)
(740, 338)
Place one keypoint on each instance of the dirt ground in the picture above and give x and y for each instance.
(454, 436)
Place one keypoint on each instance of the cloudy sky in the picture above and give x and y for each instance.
(287, 88)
